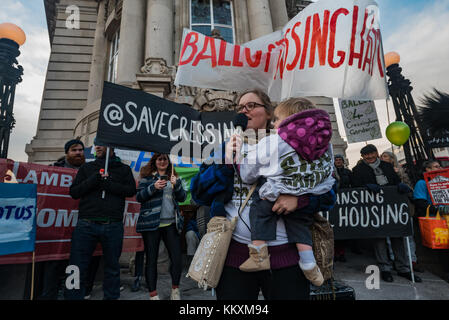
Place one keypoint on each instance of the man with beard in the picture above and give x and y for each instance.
(53, 272)
(74, 158)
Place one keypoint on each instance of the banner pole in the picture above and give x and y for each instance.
(106, 169)
(410, 259)
(388, 118)
(32, 276)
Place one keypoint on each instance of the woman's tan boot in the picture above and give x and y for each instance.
(258, 260)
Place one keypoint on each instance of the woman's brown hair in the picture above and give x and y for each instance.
(150, 168)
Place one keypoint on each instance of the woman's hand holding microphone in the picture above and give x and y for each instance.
(233, 147)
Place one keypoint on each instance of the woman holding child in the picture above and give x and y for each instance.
(282, 276)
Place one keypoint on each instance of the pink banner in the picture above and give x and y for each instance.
(57, 212)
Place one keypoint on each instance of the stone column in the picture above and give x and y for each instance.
(159, 30)
(241, 22)
(131, 45)
(279, 15)
(97, 68)
(259, 18)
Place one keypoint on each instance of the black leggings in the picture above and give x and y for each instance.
(151, 240)
(280, 284)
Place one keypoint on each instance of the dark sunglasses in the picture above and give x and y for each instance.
(249, 106)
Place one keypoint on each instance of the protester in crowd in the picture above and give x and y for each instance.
(345, 175)
(422, 201)
(285, 280)
(74, 155)
(159, 192)
(100, 219)
(344, 178)
(304, 133)
(372, 173)
(53, 271)
(390, 157)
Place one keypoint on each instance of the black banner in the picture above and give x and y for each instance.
(360, 213)
(133, 119)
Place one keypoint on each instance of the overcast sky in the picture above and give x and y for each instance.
(417, 29)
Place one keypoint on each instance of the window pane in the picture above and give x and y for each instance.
(226, 33)
(200, 11)
(222, 12)
(203, 29)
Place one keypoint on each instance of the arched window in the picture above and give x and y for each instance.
(206, 15)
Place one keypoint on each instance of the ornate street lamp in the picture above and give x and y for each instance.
(416, 149)
(11, 38)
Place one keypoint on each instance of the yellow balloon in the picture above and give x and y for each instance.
(398, 133)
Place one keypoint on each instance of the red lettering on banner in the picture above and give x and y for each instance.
(236, 59)
(373, 56)
(222, 55)
(319, 38)
(297, 40)
(257, 59)
(282, 59)
(187, 43)
(379, 52)
(333, 28)
(201, 56)
(267, 62)
(352, 54)
(368, 53)
(306, 44)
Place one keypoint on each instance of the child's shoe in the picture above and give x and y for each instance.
(258, 260)
(313, 275)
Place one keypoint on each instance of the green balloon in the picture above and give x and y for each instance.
(398, 133)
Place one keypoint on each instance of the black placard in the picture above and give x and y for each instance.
(133, 119)
(360, 213)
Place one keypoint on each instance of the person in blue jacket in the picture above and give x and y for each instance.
(159, 192)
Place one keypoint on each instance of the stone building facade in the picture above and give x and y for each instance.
(136, 43)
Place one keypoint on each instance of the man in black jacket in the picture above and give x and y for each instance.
(344, 174)
(100, 219)
(371, 172)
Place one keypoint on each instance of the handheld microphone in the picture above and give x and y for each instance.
(101, 171)
(240, 123)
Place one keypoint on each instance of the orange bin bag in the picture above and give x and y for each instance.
(434, 231)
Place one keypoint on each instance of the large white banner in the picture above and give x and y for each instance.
(332, 48)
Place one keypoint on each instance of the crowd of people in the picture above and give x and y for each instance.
(271, 247)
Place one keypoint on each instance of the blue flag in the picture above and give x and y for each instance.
(17, 217)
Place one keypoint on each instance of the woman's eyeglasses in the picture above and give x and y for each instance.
(249, 106)
(161, 159)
